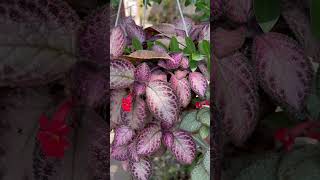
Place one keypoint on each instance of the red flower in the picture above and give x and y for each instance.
(127, 103)
(283, 135)
(53, 134)
(198, 105)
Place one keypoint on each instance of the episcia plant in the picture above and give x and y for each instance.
(266, 89)
(159, 82)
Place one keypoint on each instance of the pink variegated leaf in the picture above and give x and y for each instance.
(204, 34)
(159, 48)
(173, 63)
(117, 42)
(137, 117)
(198, 83)
(142, 73)
(181, 74)
(162, 102)
(149, 140)
(133, 30)
(115, 105)
(121, 74)
(182, 89)
(235, 94)
(167, 139)
(141, 170)
(204, 69)
(123, 135)
(184, 64)
(132, 152)
(239, 10)
(285, 72)
(119, 153)
(183, 147)
(139, 89)
(158, 75)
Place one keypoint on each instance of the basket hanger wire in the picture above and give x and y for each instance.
(145, 14)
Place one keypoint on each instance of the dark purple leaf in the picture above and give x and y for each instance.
(239, 10)
(181, 74)
(284, 70)
(90, 83)
(139, 89)
(133, 30)
(37, 41)
(142, 73)
(183, 147)
(93, 38)
(141, 170)
(299, 22)
(159, 48)
(167, 139)
(198, 83)
(226, 42)
(204, 69)
(162, 102)
(174, 63)
(121, 74)
(204, 34)
(149, 140)
(235, 94)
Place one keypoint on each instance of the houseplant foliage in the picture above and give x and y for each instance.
(159, 95)
(265, 70)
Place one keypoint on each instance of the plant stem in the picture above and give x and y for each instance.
(181, 14)
(118, 13)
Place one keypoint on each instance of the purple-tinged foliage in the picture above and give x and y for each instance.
(162, 102)
(235, 93)
(117, 41)
(284, 71)
(119, 153)
(183, 147)
(122, 135)
(137, 117)
(133, 30)
(121, 74)
(158, 75)
(168, 139)
(198, 83)
(182, 88)
(115, 105)
(89, 82)
(141, 170)
(239, 11)
(142, 73)
(149, 140)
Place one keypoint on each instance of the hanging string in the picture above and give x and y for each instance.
(181, 14)
(144, 13)
(118, 13)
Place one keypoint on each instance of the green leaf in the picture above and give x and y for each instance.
(204, 116)
(160, 44)
(127, 50)
(174, 45)
(204, 132)
(313, 105)
(267, 13)
(277, 120)
(204, 48)
(189, 122)
(197, 57)
(190, 46)
(193, 65)
(315, 17)
(150, 45)
(199, 173)
(206, 161)
(136, 44)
